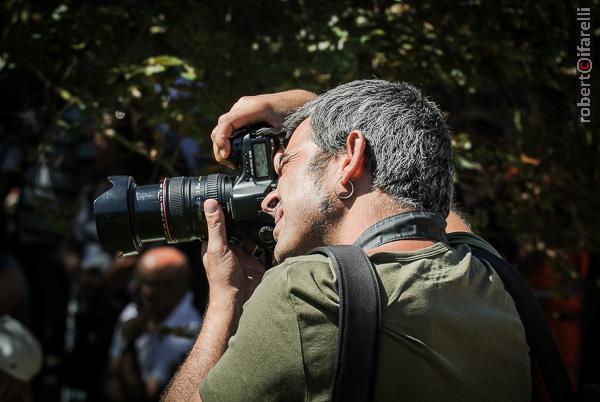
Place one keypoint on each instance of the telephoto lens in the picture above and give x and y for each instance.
(128, 215)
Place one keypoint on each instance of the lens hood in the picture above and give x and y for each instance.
(113, 211)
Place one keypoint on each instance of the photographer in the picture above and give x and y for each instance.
(358, 154)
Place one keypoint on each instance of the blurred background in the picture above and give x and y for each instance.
(92, 89)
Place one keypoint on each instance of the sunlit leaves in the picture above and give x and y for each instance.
(501, 70)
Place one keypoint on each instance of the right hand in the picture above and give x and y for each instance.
(269, 108)
(232, 272)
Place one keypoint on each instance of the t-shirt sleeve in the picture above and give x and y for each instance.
(263, 361)
(471, 240)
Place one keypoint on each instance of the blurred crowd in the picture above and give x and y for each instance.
(77, 322)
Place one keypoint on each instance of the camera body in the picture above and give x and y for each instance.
(252, 150)
(128, 215)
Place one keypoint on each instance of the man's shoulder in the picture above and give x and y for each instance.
(307, 260)
(302, 278)
(308, 265)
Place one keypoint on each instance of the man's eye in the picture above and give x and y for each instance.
(282, 163)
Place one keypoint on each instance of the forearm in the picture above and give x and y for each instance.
(219, 325)
(290, 101)
(232, 276)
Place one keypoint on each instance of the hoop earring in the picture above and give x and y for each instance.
(344, 197)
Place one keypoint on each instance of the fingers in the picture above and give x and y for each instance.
(220, 136)
(217, 236)
(247, 110)
(218, 153)
(231, 270)
(252, 268)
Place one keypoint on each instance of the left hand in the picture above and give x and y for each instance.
(232, 272)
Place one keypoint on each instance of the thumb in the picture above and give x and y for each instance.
(215, 220)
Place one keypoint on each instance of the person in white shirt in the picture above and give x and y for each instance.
(155, 332)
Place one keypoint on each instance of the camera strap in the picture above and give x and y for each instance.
(359, 315)
(359, 319)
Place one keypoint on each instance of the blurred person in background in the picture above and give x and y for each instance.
(20, 360)
(155, 332)
(98, 292)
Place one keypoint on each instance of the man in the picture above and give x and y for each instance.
(358, 154)
(154, 333)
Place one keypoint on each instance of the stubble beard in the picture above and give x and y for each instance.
(318, 228)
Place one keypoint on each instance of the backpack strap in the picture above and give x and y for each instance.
(545, 356)
(358, 322)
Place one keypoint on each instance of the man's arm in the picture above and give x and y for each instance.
(220, 322)
(232, 275)
(268, 108)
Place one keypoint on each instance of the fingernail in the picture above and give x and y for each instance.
(210, 207)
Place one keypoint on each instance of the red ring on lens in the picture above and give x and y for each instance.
(164, 210)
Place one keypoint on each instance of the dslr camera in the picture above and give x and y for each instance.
(128, 215)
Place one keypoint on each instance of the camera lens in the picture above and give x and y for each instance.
(128, 215)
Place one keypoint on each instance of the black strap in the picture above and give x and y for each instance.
(359, 319)
(539, 337)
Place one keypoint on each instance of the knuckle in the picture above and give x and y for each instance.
(215, 225)
(223, 119)
(246, 102)
(213, 222)
(216, 249)
(243, 100)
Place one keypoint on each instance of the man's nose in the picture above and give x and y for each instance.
(269, 204)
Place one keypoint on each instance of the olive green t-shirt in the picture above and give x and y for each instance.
(450, 332)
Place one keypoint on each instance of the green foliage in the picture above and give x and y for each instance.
(503, 71)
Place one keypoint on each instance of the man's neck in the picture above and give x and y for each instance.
(367, 210)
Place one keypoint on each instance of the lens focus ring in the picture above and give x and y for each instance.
(211, 186)
(180, 225)
(176, 196)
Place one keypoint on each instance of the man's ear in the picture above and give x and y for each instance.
(352, 162)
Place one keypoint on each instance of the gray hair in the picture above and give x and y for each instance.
(409, 152)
